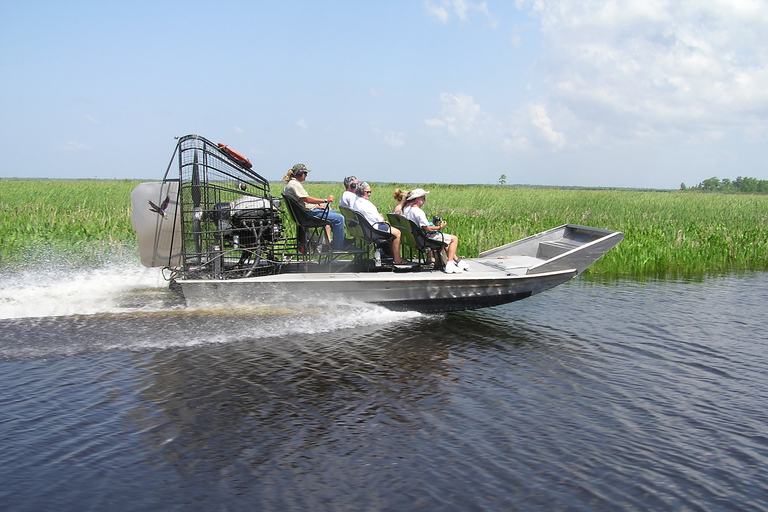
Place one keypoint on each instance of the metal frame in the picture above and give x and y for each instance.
(230, 224)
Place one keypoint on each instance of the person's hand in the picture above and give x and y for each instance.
(442, 225)
(329, 199)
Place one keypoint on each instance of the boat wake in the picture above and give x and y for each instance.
(117, 288)
(124, 306)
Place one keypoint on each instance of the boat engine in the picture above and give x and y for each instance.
(219, 220)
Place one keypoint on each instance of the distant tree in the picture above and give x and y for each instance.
(683, 187)
(710, 184)
(503, 179)
(747, 184)
(741, 184)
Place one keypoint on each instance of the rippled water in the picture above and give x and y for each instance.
(628, 396)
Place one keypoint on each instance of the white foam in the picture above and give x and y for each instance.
(75, 291)
(126, 288)
(124, 306)
(225, 323)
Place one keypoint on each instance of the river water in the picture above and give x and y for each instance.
(591, 396)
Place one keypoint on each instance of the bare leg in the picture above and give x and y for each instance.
(451, 249)
(394, 246)
(328, 233)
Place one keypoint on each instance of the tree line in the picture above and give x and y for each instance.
(741, 184)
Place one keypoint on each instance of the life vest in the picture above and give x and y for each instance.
(234, 155)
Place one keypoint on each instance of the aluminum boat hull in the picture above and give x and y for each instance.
(427, 292)
(505, 274)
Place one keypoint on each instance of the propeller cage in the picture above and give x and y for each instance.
(230, 224)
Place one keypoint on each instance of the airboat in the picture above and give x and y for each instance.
(222, 238)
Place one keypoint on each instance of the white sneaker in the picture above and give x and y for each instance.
(451, 268)
(463, 265)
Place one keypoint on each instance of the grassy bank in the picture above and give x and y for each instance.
(63, 217)
(667, 234)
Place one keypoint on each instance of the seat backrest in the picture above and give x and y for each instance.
(371, 234)
(406, 236)
(301, 217)
(351, 223)
(418, 235)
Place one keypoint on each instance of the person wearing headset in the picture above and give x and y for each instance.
(315, 206)
(364, 205)
(348, 197)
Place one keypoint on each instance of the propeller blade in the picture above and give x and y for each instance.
(197, 236)
(195, 183)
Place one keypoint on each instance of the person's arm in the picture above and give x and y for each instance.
(428, 225)
(434, 228)
(321, 203)
(376, 215)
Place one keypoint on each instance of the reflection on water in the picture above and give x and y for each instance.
(622, 396)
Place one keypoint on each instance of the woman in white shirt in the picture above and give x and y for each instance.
(364, 205)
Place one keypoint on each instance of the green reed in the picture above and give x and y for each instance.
(667, 234)
(72, 216)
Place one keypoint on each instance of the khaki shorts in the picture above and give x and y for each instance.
(439, 236)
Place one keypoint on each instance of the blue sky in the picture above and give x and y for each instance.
(550, 92)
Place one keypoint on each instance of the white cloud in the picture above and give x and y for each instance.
(238, 129)
(444, 9)
(515, 38)
(438, 11)
(301, 123)
(643, 69)
(74, 146)
(533, 127)
(541, 120)
(394, 139)
(518, 143)
(434, 123)
(460, 115)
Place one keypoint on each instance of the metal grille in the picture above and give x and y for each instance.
(230, 223)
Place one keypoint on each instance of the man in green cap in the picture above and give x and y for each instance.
(315, 206)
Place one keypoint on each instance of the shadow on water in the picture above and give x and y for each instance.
(348, 414)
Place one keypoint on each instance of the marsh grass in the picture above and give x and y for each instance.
(667, 234)
(76, 218)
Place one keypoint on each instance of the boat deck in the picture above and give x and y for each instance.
(479, 268)
(516, 265)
